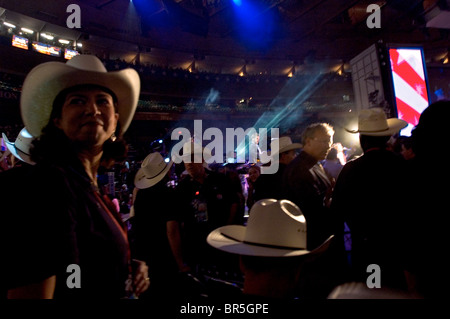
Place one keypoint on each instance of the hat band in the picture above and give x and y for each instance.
(384, 130)
(165, 166)
(261, 245)
(18, 149)
(271, 246)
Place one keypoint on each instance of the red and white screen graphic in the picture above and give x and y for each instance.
(410, 85)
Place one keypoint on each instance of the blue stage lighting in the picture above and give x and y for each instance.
(255, 24)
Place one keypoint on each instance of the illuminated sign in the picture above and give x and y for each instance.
(20, 42)
(409, 81)
(69, 54)
(46, 49)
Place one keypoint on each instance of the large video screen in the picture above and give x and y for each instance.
(20, 42)
(410, 83)
(69, 54)
(46, 49)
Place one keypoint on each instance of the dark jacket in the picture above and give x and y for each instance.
(369, 197)
(307, 185)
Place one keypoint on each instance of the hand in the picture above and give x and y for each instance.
(141, 281)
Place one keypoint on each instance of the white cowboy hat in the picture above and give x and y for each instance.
(47, 80)
(284, 145)
(21, 147)
(373, 122)
(153, 169)
(275, 228)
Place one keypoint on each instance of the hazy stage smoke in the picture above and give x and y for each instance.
(287, 113)
(213, 97)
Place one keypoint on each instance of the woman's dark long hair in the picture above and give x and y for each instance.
(53, 146)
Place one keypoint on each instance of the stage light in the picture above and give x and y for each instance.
(62, 41)
(10, 25)
(255, 23)
(26, 30)
(47, 36)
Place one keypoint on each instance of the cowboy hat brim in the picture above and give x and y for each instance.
(142, 181)
(394, 125)
(24, 157)
(231, 240)
(47, 80)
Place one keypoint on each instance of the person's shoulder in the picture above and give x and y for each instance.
(355, 162)
(293, 164)
(300, 166)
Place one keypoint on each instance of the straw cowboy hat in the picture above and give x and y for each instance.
(284, 145)
(275, 228)
(373, 122)
(21, 147)
(152, 171)
(47, 80)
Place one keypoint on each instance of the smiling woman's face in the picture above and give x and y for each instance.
(88, 116)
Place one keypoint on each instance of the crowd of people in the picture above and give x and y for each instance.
(182, 230)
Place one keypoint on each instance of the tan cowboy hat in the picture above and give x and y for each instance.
(275, 228)
(373, 122)
(21, 147)
(284, 145)
(47, 80)
(153, 169)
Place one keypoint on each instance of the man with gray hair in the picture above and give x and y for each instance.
(307, 185)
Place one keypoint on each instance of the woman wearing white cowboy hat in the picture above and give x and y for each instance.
(76, 110)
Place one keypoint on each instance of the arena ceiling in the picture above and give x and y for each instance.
(224, 35)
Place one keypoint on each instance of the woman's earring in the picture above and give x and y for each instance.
(113, 137)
